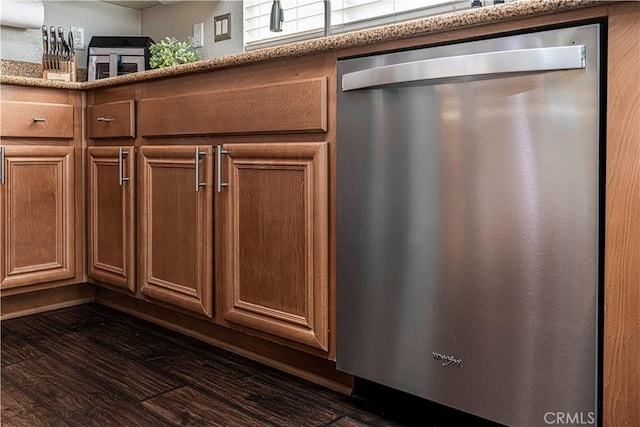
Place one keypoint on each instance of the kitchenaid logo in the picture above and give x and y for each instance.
(570, 418)
(447, 360)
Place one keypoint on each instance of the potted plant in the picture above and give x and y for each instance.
(169, 52)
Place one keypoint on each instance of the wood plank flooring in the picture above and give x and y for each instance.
(93, 366)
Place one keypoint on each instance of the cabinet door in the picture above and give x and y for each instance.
(176, 225)
(276, 240)
(111, 221)
(37, 215)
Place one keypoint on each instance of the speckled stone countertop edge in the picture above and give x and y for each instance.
(423, 26)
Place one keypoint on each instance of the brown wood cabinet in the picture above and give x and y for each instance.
(37, 221)
(176, 225)
(42, 217)
(276, 240)
(111, 216)
(273, 217)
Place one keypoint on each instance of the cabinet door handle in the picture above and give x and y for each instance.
(219, 153)
(106, 119)
(198, 183)
(121, 178)
(39, 120)
(1, 165)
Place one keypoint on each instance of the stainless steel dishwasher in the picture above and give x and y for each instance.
(468, 235)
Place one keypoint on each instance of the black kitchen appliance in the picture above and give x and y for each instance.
(111, 56)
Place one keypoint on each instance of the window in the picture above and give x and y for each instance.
(305, 18)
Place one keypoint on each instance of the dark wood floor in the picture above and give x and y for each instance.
(93, 366)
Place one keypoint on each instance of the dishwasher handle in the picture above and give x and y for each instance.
(501, 62)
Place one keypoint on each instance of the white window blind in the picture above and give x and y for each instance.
(300, 17)
(305, 18)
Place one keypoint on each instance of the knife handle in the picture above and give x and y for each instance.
(45, 51)
(54, 48)
(52, 40)
(45, 47)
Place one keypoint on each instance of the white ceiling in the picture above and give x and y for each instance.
(134, 4)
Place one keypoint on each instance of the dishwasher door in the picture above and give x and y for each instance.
(468, 239)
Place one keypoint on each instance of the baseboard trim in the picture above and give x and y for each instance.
(19, 305)
(344, 385)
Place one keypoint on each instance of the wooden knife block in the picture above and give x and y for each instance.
(67, 71)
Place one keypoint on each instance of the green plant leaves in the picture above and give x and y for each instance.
(169, 52)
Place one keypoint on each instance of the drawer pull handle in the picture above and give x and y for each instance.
(198, 155)
(39, 120)
(121, 178)
(219, 153)
(106, 119)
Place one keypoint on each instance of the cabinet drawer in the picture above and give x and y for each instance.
(36, 120)
(112, 120)
(298, 106)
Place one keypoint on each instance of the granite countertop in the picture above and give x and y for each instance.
(428, 25)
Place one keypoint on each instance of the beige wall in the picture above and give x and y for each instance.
(95, 17)
(177, 19)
